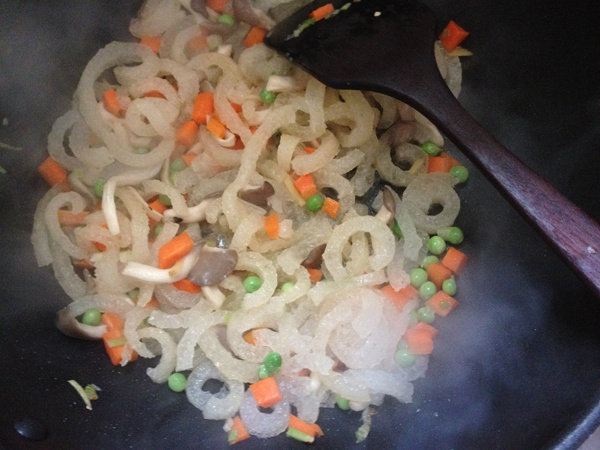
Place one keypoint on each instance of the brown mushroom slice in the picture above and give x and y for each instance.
(258, 196)
(68, 325)
(315, 257)
(244, 11)
(213, 266)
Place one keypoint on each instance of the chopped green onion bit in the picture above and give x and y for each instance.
(177, 382)
(90, 391)
(232, 436)
(116, 342)
(140, 150)
(285, 287)
(342, 403)
(99, 187)
(165, 200)
(300, 436)
(158, 228)
(396, 230)
(226, 19)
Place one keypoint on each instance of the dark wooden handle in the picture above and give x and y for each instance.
(572, 233)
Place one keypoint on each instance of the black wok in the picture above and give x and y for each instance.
(516, 366)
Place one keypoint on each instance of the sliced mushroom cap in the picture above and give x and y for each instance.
(244, 11)
(213, 266)
(199, 6)
(68, 325)
(315, 257)
(388, 200)
(258, 196)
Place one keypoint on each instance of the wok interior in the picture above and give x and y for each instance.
(515, 366)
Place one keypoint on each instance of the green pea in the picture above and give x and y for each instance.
(226, 19)
(427, 290)
(165, 200)
(454, 235)
(99, 187)
(431, 148)
(141, 150)
(263, 372)
(177, 165)
(252, 283)
(267, 96)
(461, 173)
(299, 435)
(287, 286)
(449, 286)
(418, 276)
(91, 317)
(436, 245)
(158, 228)
(177, 382)
(428, 260)
(426, 314)
(404, 358)
(272, 361)
(314, 202)
(342, 403)
(396, 230)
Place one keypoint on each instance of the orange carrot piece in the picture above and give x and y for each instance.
(331, 207)
(442, 303)
(266, 392)
(154, 94)
(237, 432)
(322, 12)
(186, 285)
(99, 246)
(111, 103)
(437, 273)
(249, 336)
(174, 250)
(452, 36)
(454, 260)
(312, 429)
(204, 105)
(158, 206)
(238, 145)
(216, 5)
(151, 41)
(305, 185)
(186, 134)
(153, 303)
(115, 352)
(401, 297)
(315, 275)
(198, 43)
(419, 339)
(112, 321)
(437, 164)
(69, 219)
(216, 128)
(83, 264)
(53, 173)
(188, 158)
(236, 107)
(310, 150)
(272, 225)
(255, 36)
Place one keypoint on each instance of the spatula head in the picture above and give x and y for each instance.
(380, 45)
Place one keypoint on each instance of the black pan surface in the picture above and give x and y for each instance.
(515, 367)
